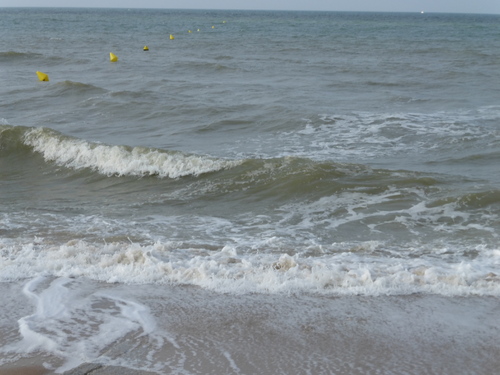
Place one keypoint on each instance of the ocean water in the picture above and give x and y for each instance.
(329, 158)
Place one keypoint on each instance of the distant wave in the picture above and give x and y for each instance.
(13, 56)
(209, 66)
(76, 87)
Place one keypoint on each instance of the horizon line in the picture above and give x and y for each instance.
(246, 9)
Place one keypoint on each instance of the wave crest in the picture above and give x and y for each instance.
(119, 160)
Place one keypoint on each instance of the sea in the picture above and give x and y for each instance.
(250, 192)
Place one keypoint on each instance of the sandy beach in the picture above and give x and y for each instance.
(200, 332)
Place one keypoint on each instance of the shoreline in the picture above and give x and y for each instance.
(188, 329)
(84, 369)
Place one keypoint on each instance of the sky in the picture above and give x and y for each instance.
(443, 6)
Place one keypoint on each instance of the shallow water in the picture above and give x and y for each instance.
(186, 330)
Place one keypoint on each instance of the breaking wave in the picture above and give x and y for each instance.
(111, 160)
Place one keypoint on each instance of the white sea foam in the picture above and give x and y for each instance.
(368, 135)
(341, 270)
(78, 324)
(120, 160)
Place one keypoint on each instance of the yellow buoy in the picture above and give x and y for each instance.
(146, 48)
(223, 21)
(189, 31)
(198, 30)
(42, 76)
(213, 27)
(171, 37)
(113, 57)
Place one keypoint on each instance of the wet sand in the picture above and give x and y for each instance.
(25, 370)
(212, 333)
(85, 369)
